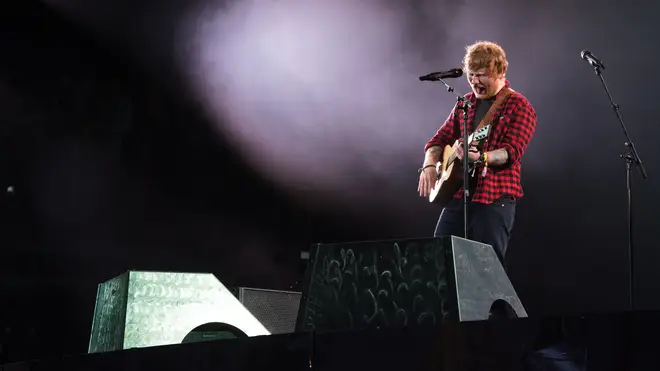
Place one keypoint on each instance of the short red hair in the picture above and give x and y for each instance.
(485, 54)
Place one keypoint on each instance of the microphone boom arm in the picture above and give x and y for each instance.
(451, 90)
(634, 157)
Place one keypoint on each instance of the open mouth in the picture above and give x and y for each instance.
(480, 90)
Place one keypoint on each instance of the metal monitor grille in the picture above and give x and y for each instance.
(276, 310)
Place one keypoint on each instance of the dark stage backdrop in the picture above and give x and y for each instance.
(118, 160)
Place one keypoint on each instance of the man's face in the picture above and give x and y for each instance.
(485, 84)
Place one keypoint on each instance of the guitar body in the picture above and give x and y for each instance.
(450, 177)
(450, 170)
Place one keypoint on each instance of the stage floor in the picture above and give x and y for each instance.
(603, 341)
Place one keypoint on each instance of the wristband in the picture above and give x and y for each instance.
(485, 170)
(482, 157)
(424, 168)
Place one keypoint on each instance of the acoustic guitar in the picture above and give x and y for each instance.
(450, 169)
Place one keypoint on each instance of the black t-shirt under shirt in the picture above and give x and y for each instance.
(483, 105)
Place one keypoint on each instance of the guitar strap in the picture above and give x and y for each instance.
(488, 117)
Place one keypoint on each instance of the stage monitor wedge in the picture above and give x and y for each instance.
(143, 309)
(404, 283)
(275, 309)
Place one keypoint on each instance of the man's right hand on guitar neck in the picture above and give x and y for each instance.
(472, 156)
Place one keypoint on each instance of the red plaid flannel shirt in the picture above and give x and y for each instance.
(512, 128)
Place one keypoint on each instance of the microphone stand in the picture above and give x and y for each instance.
(464, 105)
(631, 157)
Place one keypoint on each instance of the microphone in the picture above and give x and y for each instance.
(593, 61)
(435, 76)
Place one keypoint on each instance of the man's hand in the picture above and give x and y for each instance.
(472, 156)
(427, 180)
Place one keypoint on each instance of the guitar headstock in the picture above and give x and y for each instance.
(481, 133)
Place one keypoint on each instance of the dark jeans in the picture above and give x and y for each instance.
(487, 223)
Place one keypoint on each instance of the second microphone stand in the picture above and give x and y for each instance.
(463, 105)
(631, 158)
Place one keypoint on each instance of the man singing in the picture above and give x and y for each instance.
(495, 184)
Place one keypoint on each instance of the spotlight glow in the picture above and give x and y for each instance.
(317, 95)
